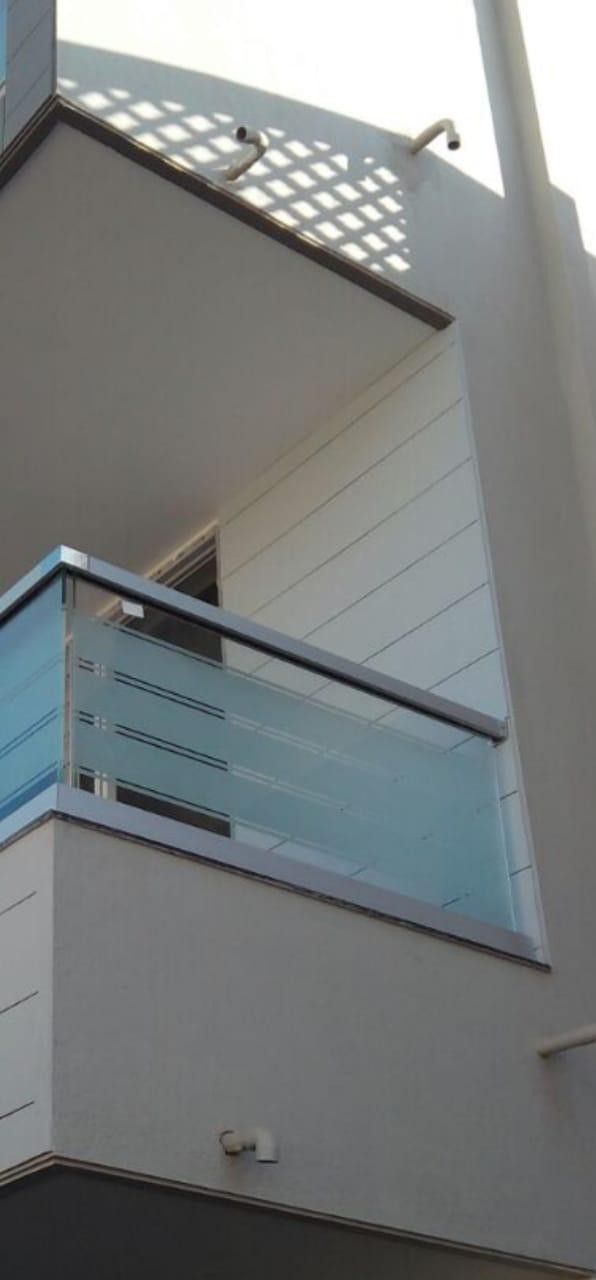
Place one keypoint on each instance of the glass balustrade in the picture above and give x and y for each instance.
(130, 703)
(32, 702)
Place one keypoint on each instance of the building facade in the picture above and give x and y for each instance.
(296, 797)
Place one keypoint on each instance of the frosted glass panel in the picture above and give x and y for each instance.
(32, 669)
(322, 776)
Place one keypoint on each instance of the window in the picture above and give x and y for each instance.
(195, 574)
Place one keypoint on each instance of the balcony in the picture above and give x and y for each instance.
(202, 343)
(134, 707)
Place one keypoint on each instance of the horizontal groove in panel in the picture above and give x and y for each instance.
(375, 621)
(19, 902)
(380, 390)
(331, 466)
(16, 1004)
(381, 490)
(445, 645)
(22, 1055)
(481, 682)
(24, 1106)
(398, 542)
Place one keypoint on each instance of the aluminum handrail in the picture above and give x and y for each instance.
(231, 626)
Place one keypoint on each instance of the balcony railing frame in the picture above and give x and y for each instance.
(231, 626)
(66, 802)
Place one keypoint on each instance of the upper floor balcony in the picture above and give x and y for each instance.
(165, 369)
(137, 708)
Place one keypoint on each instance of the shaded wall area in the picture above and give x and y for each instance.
(104, 1228)
(397, 1070)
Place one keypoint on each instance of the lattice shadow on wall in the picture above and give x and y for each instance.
(322, 176)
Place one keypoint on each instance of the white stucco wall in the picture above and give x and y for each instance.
(398, 1071)
(338, 100)
(356, 68)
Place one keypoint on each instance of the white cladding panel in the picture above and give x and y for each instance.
(367, 540)
(26, 896)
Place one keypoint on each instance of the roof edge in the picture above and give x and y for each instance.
(56, 110)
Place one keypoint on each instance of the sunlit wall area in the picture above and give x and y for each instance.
(337, 100)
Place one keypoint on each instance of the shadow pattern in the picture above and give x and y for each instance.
(325, 177)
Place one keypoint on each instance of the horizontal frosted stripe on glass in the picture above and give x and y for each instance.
(250, 747)
(441, 875)
(171, 672)
(163, 667)
(393, 810)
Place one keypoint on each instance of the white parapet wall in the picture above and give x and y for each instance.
(337, 100)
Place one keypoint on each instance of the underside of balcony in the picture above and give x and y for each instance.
(157, 352)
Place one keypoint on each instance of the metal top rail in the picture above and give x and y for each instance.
(233, 627)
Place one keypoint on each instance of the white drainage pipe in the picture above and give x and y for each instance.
(568, 1040)
(445, 126)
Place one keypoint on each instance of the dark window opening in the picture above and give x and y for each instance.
(195, 576)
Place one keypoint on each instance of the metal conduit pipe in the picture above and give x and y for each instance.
(257, 142)
(567, 1040)
(445, 126)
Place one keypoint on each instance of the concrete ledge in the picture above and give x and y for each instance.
(70, 804)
